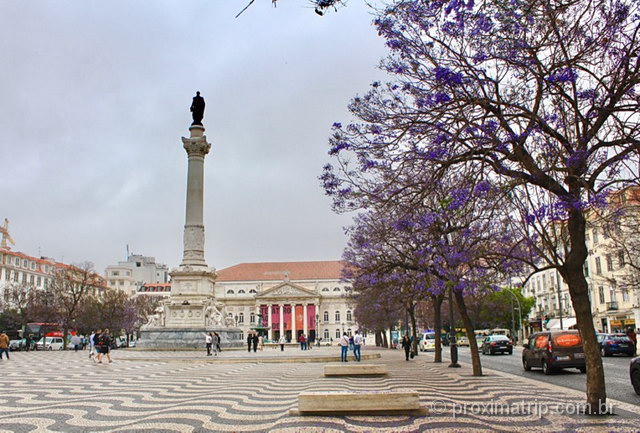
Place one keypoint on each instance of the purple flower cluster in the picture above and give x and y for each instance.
(564, 75)
(459, 198)
(482, 188)
(447, 76)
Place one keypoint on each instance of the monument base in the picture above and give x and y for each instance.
(186, 338)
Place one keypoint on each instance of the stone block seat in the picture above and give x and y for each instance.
(354, 369)
(403, 402)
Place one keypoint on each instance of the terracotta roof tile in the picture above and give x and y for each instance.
(275, 271)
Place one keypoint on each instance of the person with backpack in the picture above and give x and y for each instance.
(104, 345)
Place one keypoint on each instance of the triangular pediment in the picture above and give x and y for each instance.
(287, 290)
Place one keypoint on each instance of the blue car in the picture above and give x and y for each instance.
(611, 344)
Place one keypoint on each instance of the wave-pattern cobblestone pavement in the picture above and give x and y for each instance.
(65, 392)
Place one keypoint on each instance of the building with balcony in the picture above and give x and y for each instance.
(614, 285)
(131, 275)
(20, 273)
(288, 298)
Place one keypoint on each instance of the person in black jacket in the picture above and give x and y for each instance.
(249, 341)
(406, 345)
(104, 345)
(255, 342)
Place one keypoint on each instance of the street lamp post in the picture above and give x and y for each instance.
(519, 312)
(317, 330)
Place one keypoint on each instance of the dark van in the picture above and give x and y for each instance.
(554, 350)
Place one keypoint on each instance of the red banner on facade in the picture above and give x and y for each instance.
(299, 317)
(311, 316)
(287, 317)
(275, 312)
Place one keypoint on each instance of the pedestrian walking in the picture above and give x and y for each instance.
(301, 341)
(632, 336)
(282, 341)
(261, 343)
(255, 342)
(27, 342)
(75, 342)
(4, 345)
(249, 341)
(208, 340)
(344, 347)
(104, 346)
(215, 342)
(406, 345)
(93, 344)
(357, 342)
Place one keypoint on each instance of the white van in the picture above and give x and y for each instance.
(427, 342)
(51, 343)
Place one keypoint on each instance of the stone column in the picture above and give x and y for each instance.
(197, 148)
(281, 320)
(270, 321)
(305, 325)
(294, 337)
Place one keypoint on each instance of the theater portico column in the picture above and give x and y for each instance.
(270, 320)
(305, 325)
(294, 335)
(281, 320)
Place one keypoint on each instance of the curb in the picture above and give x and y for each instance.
(220, 360)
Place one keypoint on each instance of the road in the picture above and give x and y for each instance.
(616, 370)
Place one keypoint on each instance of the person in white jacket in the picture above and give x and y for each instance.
(344, 347)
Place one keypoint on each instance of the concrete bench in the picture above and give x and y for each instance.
(359, 402)
(355, 369)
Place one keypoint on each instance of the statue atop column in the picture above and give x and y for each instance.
(197, 109)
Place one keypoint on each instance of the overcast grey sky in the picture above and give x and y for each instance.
(95, 97)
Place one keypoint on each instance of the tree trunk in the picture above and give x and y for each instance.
(473, 345)
(65, 332)
(573, 274)
(385, 342)
(437, 325)
(412, 316)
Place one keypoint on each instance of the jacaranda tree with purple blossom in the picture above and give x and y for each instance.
(536, 95)
(438, 237)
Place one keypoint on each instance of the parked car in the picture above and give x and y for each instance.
(427, 342)
(616, 343)
(15, 345)
(50, 343)
(462, 341)
(554, 350)
(634, 372)
(497, 343)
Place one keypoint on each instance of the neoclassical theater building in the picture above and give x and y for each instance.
(288, 298)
